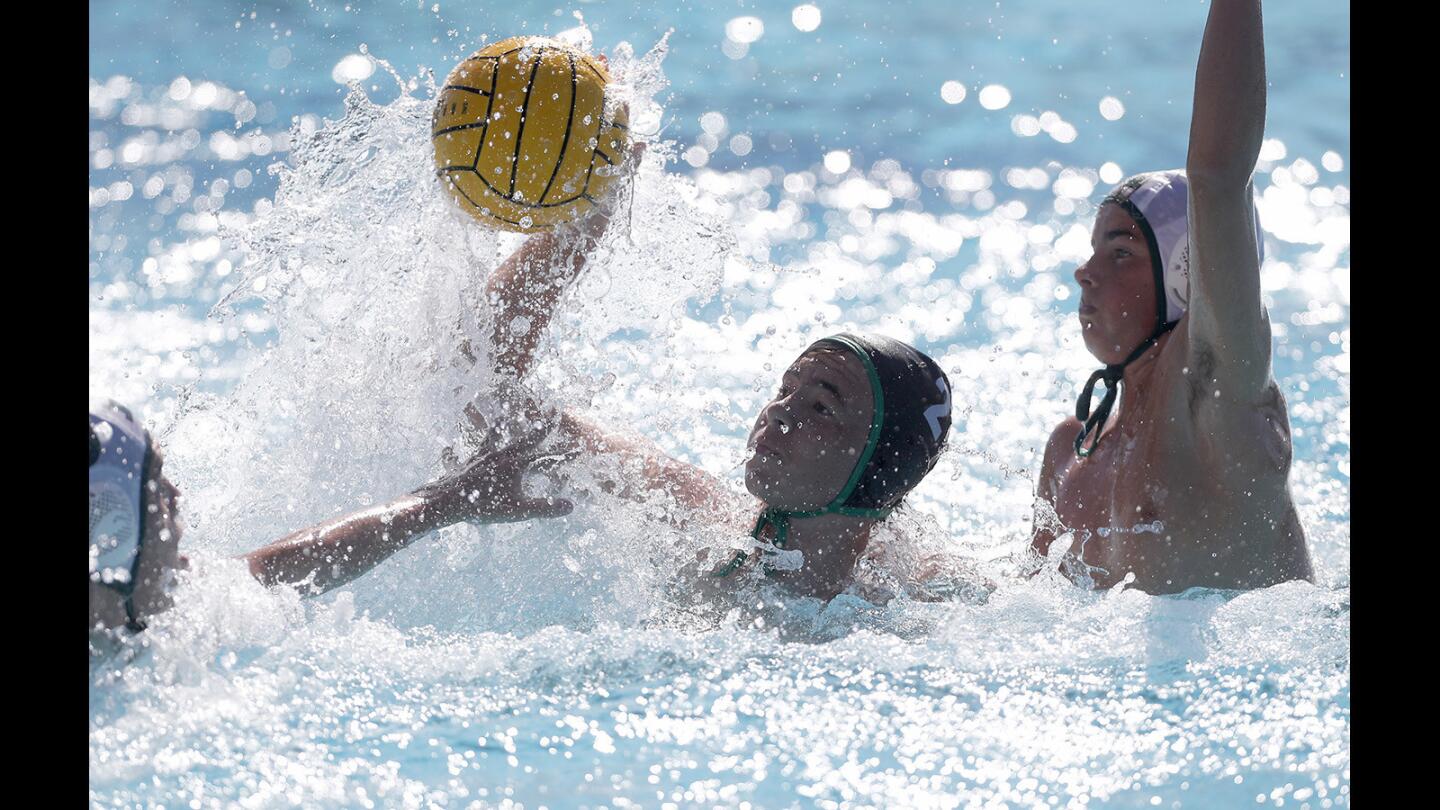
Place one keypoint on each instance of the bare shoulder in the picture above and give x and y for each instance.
(1229, 424)
(1059, 450)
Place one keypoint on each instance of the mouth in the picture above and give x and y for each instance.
(763, 449)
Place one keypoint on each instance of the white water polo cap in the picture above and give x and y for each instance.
(119, 458)
(1160, 203)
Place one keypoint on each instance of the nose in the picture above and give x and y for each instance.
(778, 414)
(1082, 275)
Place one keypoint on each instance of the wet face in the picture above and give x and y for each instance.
(1117, 287)
(807, 440)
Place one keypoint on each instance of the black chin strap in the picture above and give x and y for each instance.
(1111, 374)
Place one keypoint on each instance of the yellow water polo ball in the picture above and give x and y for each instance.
(522, 137)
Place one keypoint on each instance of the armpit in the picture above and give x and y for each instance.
(1277, 429)
(1201, 375)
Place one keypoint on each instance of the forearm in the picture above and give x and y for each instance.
(1228, 120)
(337, 551)
(107, 608)
(526, 287)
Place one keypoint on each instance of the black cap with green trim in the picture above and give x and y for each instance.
(911, 423)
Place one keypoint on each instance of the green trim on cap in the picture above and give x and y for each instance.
(877, 422)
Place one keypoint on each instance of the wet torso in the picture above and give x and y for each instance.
(1158, 499)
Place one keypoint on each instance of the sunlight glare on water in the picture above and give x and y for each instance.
(292, 334)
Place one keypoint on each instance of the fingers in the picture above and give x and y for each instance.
(473, 416)
(632, 162)
(550, 461)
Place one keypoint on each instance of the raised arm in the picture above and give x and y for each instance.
(1229, 331)
(337, 551)
(524, 289)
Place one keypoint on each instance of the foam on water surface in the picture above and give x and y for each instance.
(554, 663)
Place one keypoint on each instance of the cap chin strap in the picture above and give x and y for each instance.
(1111, 374)
(780, 518)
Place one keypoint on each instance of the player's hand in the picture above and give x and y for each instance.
(489, 486)
(595, 222)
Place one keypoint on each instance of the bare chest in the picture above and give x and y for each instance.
(1120, 501)
(1122, 484)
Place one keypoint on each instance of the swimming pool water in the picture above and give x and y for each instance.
(548, 664)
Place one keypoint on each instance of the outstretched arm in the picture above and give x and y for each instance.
(337, 551)
(1229, 331)
(653, 469)
(523, 293)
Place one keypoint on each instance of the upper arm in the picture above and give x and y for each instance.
(1227, 327)
(689, 485)
(1046, 522)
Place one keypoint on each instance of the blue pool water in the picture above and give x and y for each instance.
(288, 334)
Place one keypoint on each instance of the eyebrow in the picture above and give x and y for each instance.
(1111, 234)
(821, 381)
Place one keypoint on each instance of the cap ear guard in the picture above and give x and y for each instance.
(1160, 203)
(913, 417)
(120, 456)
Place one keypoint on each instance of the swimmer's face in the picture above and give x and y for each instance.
(808, 439)
(1117, 287)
